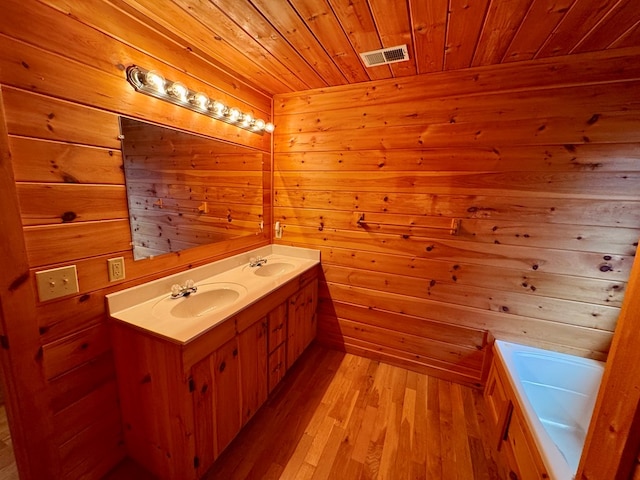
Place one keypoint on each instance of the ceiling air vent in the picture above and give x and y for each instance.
(385, 56)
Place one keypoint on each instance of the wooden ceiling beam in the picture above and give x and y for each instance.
(541, 20)
(357, 22)
(175, 19)
(463, 31)
(501, 24)
(392, 20)
(288, 23)
(575, 25)
(620, 19)
(322, 21)
(429, 24)
(259, 28)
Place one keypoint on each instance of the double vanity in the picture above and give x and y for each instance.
(197, 353)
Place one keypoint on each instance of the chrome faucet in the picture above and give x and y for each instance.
(257, 261)
(185, 290)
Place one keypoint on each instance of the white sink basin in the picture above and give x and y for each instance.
(273, 269)
(209, 299)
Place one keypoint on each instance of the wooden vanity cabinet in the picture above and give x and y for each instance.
(182, 404)
(512, 437)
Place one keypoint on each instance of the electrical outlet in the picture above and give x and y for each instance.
(57, 282)
(116, 269)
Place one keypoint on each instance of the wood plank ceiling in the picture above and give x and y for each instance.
(280, 46)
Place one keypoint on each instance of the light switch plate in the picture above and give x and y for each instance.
(57, 282)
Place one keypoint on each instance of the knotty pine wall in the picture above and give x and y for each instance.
(186, 190)
(62, 88)
(540, 164)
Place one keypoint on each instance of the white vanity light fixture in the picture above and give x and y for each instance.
(154, 84)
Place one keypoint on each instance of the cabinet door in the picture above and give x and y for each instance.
(202, 379)
(309, 322)
(217, 402)
(526, 461)
(252, 344)
(301, 321)
(295, 340)
(228, 399)
(498, 405)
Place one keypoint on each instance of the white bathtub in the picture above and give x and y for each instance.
(557, 393)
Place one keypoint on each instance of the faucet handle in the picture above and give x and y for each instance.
(188, 283)
(175, 290)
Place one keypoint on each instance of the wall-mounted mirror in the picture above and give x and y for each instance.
(186, 190)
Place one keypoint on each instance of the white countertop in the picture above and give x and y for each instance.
(135, 305)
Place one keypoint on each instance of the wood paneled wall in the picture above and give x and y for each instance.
(540, 165)
(62, 86)
(186, 190)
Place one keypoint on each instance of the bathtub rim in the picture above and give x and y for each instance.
(553, 459)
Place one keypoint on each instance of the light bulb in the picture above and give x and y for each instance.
(154, 80)
(247, 120)
(259, 124)
(234, 114)
(269, 127)
(218, 107)
(199, 99)
(179, 91)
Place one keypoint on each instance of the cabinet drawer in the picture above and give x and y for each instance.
(277, 324)
(277, 366)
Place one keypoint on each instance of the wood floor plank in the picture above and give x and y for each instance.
(390, 446)
(329, 453)
(446, 432)
(306, 472)
(339, 416)
(405, 441)
(419, 453)
(297, 459)
(320, 441)
(464, 465)
(361, 446)
(434, 452)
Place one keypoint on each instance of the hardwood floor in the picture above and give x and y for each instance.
(339, 416)
(8, 470)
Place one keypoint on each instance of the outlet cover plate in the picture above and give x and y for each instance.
(116, 269)
(57, 282)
